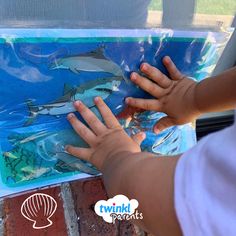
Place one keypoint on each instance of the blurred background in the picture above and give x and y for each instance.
(127, 14)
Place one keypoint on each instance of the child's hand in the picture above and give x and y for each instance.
(105, 140)
(174, 96)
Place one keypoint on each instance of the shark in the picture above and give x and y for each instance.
(102, 87)
(93, 61)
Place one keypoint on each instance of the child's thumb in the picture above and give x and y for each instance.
(139, 137)
(162, 124)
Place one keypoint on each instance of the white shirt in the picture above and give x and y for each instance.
(205, 186)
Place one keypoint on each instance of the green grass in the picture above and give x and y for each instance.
(156, 5)
(212, 7)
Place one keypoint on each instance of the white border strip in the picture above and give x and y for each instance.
(86, 33)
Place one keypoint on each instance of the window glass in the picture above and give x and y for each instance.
(117, 14)
(186, 13)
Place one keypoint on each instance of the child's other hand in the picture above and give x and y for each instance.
(105, 140)
(174, 96)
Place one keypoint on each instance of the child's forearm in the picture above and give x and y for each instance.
(217, 93)
(144, 176)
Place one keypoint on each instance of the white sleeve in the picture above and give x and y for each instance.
(205, 186)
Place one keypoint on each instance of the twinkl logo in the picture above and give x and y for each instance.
(115, 209)
(118, 208)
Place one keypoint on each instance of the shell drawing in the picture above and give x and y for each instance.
(39, 208)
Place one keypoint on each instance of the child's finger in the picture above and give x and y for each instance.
(107, 115)
(138, 138)
(84, 132)
(147, 85)
(94, 123)
(163, 124)
(146, 104)
(156, 75)
(172, 69)
(81, 153)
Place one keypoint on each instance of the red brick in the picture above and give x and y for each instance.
(85, 194)
(126, 228)
(17, 225)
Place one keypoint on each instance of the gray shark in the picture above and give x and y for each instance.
(102, 87)
(93, 61)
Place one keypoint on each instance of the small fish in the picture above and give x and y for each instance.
(102, 87)
(32, 138)
(9, 154)
(19, 157)
(93, 61)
